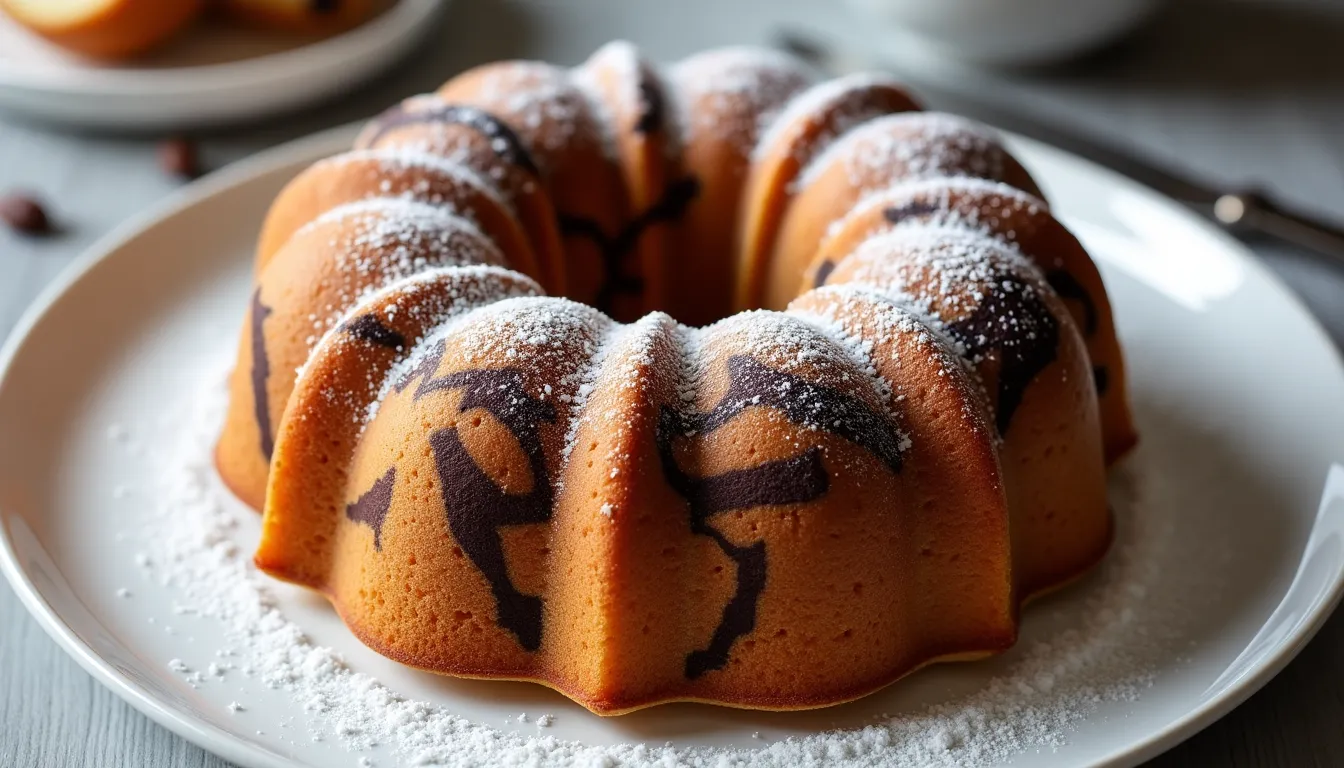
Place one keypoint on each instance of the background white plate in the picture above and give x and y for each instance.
(1238, 393)
(216, 73)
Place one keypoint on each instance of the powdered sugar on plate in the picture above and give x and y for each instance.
(1104, 652)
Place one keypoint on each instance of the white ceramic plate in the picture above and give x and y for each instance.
(214, 74)
(1229, 553)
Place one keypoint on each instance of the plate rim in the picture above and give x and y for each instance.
(207, 736)
(1215, 708)
(333, 140)
(405, 15)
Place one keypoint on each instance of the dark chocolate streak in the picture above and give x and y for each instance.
(911, 210)
(1102, 378)
(652, 107)
(503, 140)
(261, 373)
(1069, 288)
(1013, 319)
(671, 206)
(369, 328)
(325, 6)
(475, 506)
(788, 481)
(372, 506)
(824, 271)
(423, 371)
(739, 615)
(894, 215)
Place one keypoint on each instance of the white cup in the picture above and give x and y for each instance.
(1008, 32)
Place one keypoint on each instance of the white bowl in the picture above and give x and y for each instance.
(1008, 32)
(216, 74)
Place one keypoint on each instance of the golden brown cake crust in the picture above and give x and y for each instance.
(305, 17)
(901, 439)
(118, 29)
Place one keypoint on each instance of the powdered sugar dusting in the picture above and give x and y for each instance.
(630, 358)
(868, 318)
(941, 272)
(381, 240)
(545, 105)
(492, 318)
(438, 299)
(733, 92)
(435, 298)
(911, 145)
(451, 142)
(1105, 652)
(982, 204)
(859, 348)
(556, 342)
(389, 163)
(842, 103)
(586, 378)
(543, 332)
(625, 100)
(618, 59)
(793, 343)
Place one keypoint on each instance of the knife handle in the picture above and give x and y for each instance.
(1250, 213)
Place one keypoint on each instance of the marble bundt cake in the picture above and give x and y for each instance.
(829, 395)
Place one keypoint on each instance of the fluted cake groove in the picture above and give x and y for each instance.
(716, 384)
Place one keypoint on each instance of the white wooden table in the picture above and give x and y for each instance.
(1237, 91)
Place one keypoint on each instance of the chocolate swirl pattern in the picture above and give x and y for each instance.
(616, 251)
(392, 464)
(788, 481)
(476, 507)
(504, 141)
(1012, 320)
(369, 328)
(372, 506)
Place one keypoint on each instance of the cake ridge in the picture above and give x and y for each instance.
(441, 323)
(611, 336)
(737, 72)
(411, 212)
(974, 139)
(411, 157)
(581, 77)
(827, 94)
(407, 236)
(906, 320)
(859, 350)
(783, 507)
(432, 108)
(943, 187)
(913, 316)
(961, 258)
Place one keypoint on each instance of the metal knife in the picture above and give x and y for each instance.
(1248, 214)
